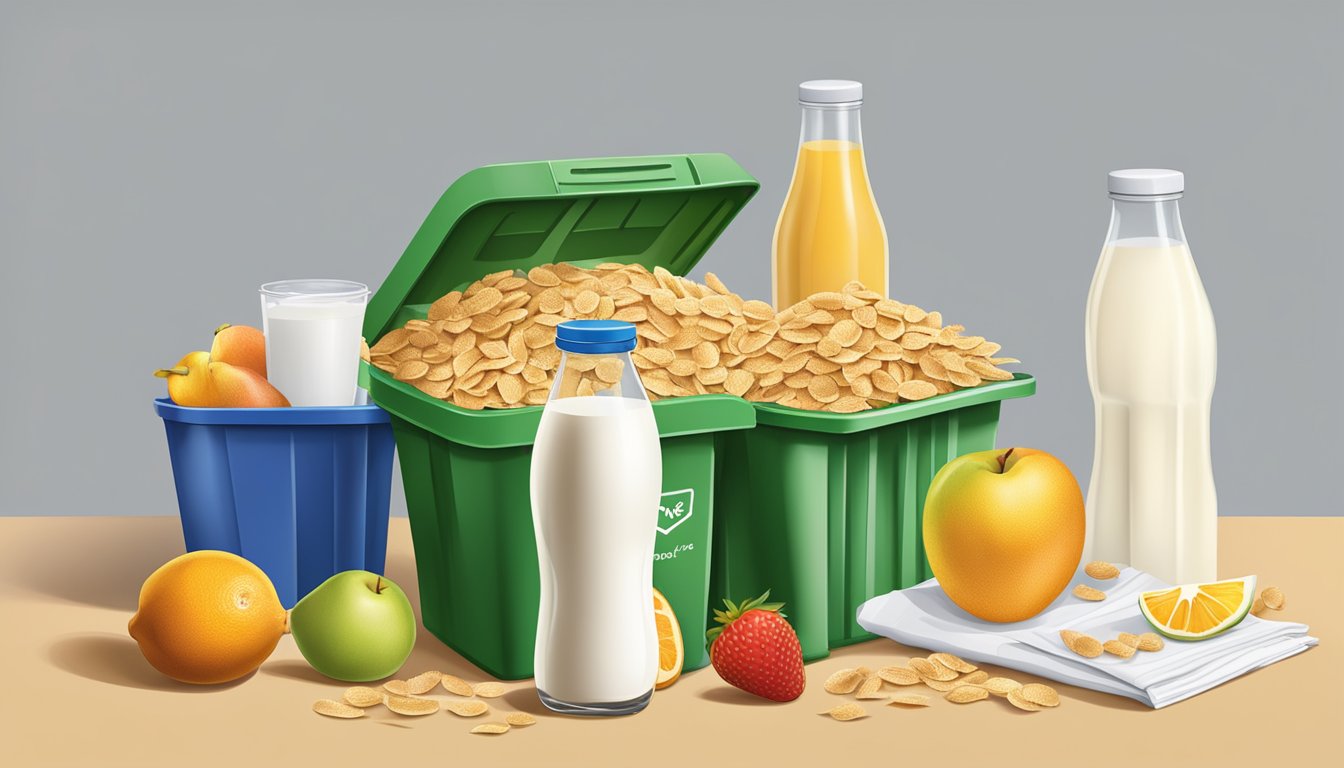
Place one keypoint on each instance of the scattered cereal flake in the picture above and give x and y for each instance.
(1085, 592)
(1040, 695)
(932, 670)
(1151, 641)
(1086, 646)
(456, 685)
(1123, 650)
(844, 681)
(942, 686)
(1101, 570)
(1129, 638)
(361, 696)
(952, 662)
(975, 678)
(871, 688)
(492, 729)
(899, 675)
(488, 690)
(1015, 698)
(520, 719)
(846, 712)
(340, 709)
(467, 708)
(396, 686)
(965, 694)
(909, 700)
(412, 706)
(1273, 597)
(1000, 686)
(423, 682)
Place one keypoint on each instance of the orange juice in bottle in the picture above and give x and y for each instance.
(829, 230)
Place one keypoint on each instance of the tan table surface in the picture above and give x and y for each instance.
(77, 692)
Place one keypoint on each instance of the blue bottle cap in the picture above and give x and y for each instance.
(595, 337)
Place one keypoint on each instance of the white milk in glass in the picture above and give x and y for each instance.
(312, 351)
(596, 480)
(313, 341)
(1151, 360)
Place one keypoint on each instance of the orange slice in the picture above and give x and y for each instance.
(671, 652)
(1198, 611)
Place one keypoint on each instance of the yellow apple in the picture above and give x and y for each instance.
(1003, 531)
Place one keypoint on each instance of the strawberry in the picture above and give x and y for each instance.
(756, 650)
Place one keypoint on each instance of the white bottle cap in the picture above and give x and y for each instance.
(830, 91)
(1145, 181)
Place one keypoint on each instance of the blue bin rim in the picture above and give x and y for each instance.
(272, 417)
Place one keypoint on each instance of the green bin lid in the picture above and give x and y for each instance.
(662, 210)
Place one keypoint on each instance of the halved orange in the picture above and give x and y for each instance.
(671, 653)
(1198, 611)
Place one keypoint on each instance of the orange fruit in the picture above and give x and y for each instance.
(1198, 611)
(671, 652)
(208, 617)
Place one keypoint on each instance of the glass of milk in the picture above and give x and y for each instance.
(313, 330)
(596, 480)
(1152, 356)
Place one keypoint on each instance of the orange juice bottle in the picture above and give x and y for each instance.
(829, 231)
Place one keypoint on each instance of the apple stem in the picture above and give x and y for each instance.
(378, 587)
(164, 373)
(222, 327)
(1003, 460)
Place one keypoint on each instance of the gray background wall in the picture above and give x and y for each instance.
(160, 160)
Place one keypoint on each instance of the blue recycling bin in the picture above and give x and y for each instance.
(301, 492)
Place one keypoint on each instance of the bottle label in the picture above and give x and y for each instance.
(675, 508)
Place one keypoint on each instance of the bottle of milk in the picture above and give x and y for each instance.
(597, 476)
(1151, 359)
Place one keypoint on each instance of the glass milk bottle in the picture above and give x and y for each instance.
(597, 478)
(829, 231)
(1151, 360)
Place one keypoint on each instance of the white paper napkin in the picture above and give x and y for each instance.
(924, 617)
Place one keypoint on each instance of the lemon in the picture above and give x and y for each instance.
(208, 617)
(1198, 611)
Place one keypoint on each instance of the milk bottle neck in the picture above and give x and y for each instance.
(1154, 218)
(831, 122)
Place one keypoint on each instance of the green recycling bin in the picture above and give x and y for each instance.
(465, 472)
(826, 510)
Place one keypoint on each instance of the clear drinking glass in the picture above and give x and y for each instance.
(313, 330)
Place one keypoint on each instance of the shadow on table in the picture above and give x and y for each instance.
(104, 569)
(726, 694)
(1107, 700)
(292, 669)
(525, 700)
(116, 660)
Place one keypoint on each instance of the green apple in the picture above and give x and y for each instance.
(356, 626)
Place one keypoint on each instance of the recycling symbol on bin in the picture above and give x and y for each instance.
(675, 508)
